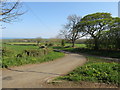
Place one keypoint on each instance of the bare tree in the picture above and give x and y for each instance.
(71, 32)
(10, 10)
(63, 34)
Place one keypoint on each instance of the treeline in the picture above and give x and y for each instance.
(103, 30)
(109, 40)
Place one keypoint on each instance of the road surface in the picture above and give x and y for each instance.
(31, 76)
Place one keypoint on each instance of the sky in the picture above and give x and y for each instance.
(46, 19)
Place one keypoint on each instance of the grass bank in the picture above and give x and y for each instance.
(95, 70)
(16, 55)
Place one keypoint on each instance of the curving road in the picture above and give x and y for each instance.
(31, 76)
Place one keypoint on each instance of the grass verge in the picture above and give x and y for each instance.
(95, 70)
(12, 61)
(16, 55)
(107, 53)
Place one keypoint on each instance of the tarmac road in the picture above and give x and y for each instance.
(32, 75)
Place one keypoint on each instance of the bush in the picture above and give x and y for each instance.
(50, 44)
(46, 44)
(90, 43)
(107, 53)
(63, 42)
(37, 52)
(7, 52)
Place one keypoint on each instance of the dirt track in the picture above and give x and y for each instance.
(32, 76)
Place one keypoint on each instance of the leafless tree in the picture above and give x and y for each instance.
(71, 32)
(63, 34)
(10, 10)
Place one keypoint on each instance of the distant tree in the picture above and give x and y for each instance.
(63, 42)
(38, 40)
(10, 10)
(95, 24)
(71, 32)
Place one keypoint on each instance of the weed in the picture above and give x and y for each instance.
(95, 70)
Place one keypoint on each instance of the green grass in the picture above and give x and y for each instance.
(18, 48)
(13, 61)
(76, 45)
(83, 49)
(21, 43)
(96, 70)
(37, 55)
(105, 53)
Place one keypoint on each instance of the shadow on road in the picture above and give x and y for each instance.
(33, 71)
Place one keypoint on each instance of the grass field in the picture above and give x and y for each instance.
(95, 70)
(11, 51)
(81, 48)
(14, 55)
(19, 48)
(76, 45)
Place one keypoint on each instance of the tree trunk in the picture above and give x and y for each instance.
(96, 47)
(73, 43)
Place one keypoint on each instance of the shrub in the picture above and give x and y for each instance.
(50, 44)
(46, 44)
(7, 52)
(37, 52)
(89, 43)
(63, 42)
